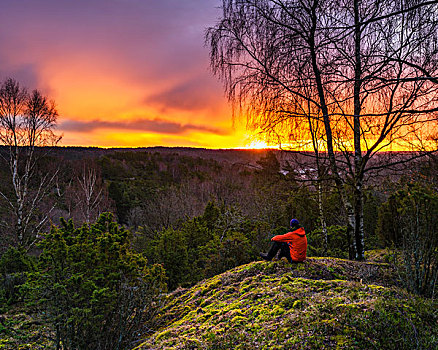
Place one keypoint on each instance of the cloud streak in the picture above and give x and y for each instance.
(140, 125)
(192, 95)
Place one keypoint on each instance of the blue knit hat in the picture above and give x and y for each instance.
(294, 222)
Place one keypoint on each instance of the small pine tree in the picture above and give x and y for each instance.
(93, 289)
(172, 253)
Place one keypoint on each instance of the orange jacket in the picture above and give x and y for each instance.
(297, 242)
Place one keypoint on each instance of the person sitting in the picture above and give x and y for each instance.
(292, 245)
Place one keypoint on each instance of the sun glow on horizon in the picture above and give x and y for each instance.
(258, 144)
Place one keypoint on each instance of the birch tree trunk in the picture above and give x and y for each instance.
(358, 175)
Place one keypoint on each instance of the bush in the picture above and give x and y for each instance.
(92, 288)
(337, 242)
(408, 221)
(218, 240)
(219, 256)
(14, 264)
(171, 252)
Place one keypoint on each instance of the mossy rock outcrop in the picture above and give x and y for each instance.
(320, 304)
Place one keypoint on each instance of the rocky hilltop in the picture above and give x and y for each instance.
(324, 303)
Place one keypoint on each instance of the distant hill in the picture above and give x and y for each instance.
(249, 157)
(221, 155)
(324, 303)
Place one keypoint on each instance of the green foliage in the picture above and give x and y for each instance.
(409, 222)
(14, 263)
(214, 242)
(171, 252)
(219, 256)
(388, 228)
(16, 260)
(119, 193)
(90, 285)
(336, 239)
(198, 233)
(302, 205)
(370, 214)
(139, 179)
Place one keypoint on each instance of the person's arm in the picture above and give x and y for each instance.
(287, 237)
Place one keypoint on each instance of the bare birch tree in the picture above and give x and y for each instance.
(363, 70)
(86, 196)
(91, 197)
(27, 121)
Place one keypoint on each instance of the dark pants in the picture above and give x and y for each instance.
(282, 247)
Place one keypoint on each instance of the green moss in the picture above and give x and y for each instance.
(342, 341)
(284, 280)
(375, 287)
(245, 288)
(239, 320)
(351, 306)
(277, 311)
(163, 335)
(268, 308)
(297, 304)
(290, 303)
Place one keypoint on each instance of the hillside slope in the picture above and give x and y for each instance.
(321, 304)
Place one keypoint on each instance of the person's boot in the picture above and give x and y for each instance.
(265, 256)
(271, 253)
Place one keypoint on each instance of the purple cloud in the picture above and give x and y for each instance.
(142, 125)
(192, 95)
(26, 75)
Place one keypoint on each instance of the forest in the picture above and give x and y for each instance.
(162, 219)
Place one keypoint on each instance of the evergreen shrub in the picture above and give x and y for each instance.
(14, 264)
(92, 288)
(337, 242)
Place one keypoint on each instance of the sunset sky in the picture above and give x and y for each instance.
(123, 73)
